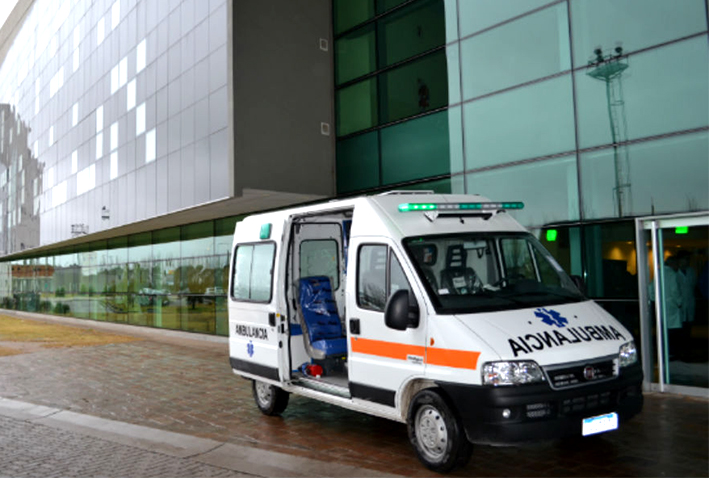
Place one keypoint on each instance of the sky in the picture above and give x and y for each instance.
(6, 7)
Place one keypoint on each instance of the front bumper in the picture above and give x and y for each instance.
(538, 412)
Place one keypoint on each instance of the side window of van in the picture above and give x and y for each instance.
(253, 272)
(380, 275)
(319, 257)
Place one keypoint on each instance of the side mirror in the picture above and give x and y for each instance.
(579, 283)
(399, 313)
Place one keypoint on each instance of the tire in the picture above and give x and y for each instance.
(436, 433)
(270, 400)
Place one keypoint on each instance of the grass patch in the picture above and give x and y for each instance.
(6, 352)
(52, 335)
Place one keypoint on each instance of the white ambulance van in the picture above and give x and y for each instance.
(439, 311)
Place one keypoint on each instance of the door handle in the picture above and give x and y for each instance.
(354, 326)
(272, 319)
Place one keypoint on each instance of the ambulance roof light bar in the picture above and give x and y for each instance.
(462, 206)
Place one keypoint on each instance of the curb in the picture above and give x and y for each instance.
(243, 459)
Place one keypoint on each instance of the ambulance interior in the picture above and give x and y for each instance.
(317, 273)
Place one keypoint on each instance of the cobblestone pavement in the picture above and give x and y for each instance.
(190, 389)
(33, 450)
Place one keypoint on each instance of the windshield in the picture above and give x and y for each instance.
(467, 273)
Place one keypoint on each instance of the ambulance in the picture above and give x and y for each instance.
(438, 311)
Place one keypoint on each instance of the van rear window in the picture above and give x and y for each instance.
(253, 272)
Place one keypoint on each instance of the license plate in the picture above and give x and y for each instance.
(600, 424)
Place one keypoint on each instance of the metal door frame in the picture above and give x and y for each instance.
(655, 224)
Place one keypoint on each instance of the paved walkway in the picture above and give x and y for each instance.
(182, 383)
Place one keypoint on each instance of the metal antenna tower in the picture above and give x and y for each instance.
(609, 68)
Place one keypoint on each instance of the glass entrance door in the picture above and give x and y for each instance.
(675, 302)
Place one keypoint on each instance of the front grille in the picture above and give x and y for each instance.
(538, 410)
(584, 403)
(581, 373)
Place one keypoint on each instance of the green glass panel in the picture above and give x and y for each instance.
(559, 202)
(684, 179)
(224, 234)
(139, 247)
(412, 30)
(357, 107)
(414, 88)
(165, 299)
(478, 15)
(117, 250)
(198, 239)
(220, 301)
(197, 231)
(355, 54)
(632, 24)
(348, 13)
(166, 235)
(166, 244)
(358, 163)
(519, 124)
(416, 149)
(384, 5)
(225, 226)
(662, 90)
(197, 305)
(504, 57)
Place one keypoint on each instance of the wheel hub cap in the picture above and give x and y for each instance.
(263, 391)
(431, 431)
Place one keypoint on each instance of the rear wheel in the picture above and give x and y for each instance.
(271, 400)
(436, 433)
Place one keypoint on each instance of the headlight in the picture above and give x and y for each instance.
(628, 354)
(511, 373)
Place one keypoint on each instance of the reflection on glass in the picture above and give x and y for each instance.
(348, 13)
(521, 183)
(684, 179)
(414, 88)
(684, 305)
(636, 24)
(539, 117)
(419, 148)
(481, 14)
(156, 288)
(357, 107)
(410, 31)
(509, 58)
(356, 54)
(663, 90)
(358, 162)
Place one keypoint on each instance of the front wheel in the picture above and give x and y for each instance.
(270, 400)
(436, 433)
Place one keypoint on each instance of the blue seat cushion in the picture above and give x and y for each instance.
(332, 346)
(320, 314)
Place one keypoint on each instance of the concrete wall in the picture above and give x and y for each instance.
(283, 91)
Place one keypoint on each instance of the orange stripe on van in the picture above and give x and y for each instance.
(452, 358)
(434, 356)
(386, 349)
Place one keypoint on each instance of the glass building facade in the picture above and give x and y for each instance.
(591, 112)
(123, 105)
(594, 113)
(509, 99)
(172, 278)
